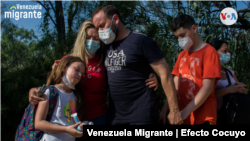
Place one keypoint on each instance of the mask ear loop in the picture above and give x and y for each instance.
(111, 24)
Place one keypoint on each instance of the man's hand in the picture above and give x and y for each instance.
(161, 68)
(33, 99)
(175, 118)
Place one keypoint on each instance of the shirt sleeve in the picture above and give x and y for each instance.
(47, 93)
(151, 50)
(232, 72)
(176, 66)
(211, 66)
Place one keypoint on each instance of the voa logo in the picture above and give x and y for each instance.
(228, 16)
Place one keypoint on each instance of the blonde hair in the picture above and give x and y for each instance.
(79, 49)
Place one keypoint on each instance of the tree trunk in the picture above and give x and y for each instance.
(60, 25)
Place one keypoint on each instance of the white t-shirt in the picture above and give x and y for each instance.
(223, 84)
(62, 116)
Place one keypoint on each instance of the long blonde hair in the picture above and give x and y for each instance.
(56, 75)
(79, 49)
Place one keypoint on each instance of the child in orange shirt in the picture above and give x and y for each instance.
(196, 71)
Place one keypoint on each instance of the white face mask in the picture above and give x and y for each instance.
(67, 82)
(107, 35)
(185, 43)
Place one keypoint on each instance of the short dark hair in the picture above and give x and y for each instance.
(184, 21)
(108, 10)
(217, 44)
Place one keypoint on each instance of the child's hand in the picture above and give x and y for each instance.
(33, 99)
(73, 131)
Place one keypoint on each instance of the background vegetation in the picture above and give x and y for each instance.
(26, 59)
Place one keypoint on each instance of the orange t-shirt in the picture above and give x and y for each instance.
(192, 68)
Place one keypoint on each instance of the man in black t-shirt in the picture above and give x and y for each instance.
(129, 57)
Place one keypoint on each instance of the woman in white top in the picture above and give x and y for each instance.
(221, 87)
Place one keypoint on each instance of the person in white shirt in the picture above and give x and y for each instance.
(65, 77)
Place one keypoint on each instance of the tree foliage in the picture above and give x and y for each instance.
(26, 59)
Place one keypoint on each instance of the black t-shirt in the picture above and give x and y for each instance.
(127, 64)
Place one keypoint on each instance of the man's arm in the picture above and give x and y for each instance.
(200, 97)
(161, 68)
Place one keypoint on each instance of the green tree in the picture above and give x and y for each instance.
(22, 67)
(26, 59)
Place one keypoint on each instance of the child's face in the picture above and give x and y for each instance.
(75, 72)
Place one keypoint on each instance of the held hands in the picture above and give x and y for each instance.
(73, 131)
(242, 87)
(152, 81)
(175, 117)
(237, 87)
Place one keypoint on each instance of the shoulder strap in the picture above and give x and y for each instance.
(228, 79)
(229, 71)
(53, 96)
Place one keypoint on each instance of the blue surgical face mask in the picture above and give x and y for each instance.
(92, 46)
(225, 58)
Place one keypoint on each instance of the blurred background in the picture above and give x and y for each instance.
(30, 46)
